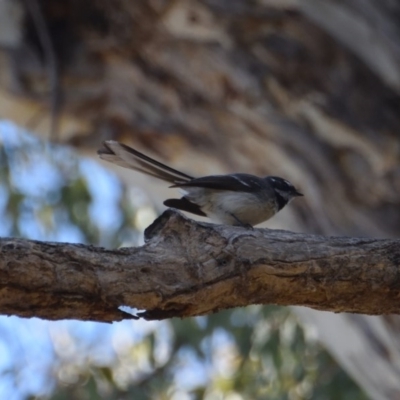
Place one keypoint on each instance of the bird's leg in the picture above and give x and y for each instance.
(240, 223)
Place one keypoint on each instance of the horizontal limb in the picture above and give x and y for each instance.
(187, 268)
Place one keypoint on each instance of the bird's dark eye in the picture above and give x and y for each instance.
(281, 185)
(287, 183)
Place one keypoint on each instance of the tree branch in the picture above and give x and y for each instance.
(187, 268)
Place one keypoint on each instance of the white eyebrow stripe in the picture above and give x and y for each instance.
(289, 184)
(242, 182)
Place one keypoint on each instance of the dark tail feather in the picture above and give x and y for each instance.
(185, 205)
(125, 156)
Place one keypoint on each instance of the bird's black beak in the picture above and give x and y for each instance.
(296, 193)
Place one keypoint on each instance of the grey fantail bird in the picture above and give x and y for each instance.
(236, 199)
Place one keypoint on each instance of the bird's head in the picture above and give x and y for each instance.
(284, 190)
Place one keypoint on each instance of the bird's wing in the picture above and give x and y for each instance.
(124, 156)
(234, 183)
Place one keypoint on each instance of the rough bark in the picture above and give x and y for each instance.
(188, 268)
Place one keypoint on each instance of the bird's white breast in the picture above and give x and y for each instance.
(222, 206)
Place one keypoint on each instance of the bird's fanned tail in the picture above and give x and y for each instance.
(124, 156)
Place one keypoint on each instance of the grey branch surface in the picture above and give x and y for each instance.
(187, 268)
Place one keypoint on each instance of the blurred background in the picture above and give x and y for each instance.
(303, 89)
